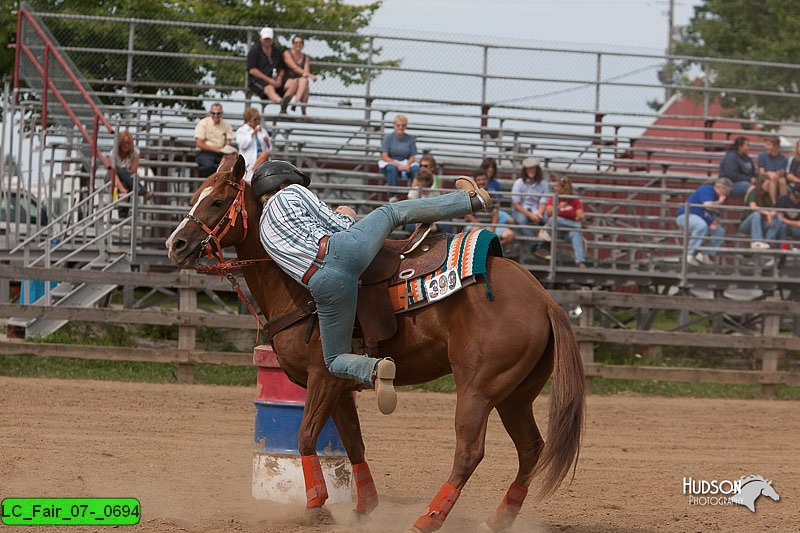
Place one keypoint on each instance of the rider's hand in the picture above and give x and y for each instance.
(345, 210)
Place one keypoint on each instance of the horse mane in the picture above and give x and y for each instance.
(747, 479)
(214, 181)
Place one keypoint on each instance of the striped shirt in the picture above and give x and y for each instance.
(292, 223)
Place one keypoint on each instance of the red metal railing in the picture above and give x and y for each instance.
(51, 50)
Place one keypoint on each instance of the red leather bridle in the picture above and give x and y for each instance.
(224, 268)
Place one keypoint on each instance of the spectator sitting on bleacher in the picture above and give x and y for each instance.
(489, 166)
(528, 198)
(489, 221)
(702, 219)
(398, 155)
(737, 166)
(266, 72)
(793, 172)
(428, 162)
(772, 163)
(760, 216)
(791, 217)
(254, 143)
(298, 73)
(211, 135)
(125, 161)
(570, 214)
(423, 180)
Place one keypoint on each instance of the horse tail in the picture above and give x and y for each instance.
(562, 447)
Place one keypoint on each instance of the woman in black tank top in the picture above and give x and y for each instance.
(298, 68)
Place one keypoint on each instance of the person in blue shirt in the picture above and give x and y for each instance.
(702, 221)
(398, 155)
(772, 163)
(737, 166)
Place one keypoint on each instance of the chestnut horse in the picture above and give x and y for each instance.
(501, 353)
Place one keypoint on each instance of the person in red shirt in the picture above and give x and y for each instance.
(569, 214)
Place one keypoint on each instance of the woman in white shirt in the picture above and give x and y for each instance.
(254, 143)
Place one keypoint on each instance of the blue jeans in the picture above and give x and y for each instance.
(754, 225)
(393, 175)
(574, 237)
(740, 188)
(698, 228)
(791, 231)
(335, 285)
(502, 218)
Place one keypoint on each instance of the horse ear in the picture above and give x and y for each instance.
(239, 168)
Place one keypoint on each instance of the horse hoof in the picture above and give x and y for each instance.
(318, 516)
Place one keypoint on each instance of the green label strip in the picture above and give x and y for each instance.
(70, 511)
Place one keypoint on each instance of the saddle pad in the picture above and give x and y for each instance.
(466, 255)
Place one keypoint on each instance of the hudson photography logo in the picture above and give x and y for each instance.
(743, 491)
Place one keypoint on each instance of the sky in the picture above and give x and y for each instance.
(603, 24)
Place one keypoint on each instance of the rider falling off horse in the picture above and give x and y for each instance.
(327, 251)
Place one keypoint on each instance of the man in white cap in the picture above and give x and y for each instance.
(266, 71)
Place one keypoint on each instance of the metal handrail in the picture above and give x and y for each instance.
(68, 213)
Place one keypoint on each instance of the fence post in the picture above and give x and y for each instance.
(586, 348)
(187, 301)
(770, 358)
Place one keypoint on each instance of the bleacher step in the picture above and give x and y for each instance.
(81, 295)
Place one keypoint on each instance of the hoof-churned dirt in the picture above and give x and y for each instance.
(186, 453)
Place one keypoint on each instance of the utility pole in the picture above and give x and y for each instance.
(670, 77)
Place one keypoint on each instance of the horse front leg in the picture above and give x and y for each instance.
(345, 416)
(472, 415)
(323, 392)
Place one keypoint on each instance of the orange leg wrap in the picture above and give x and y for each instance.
(316, 491)
(508, 509)
(437, 510)
(366, 493)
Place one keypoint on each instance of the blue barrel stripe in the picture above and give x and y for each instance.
(278, 423)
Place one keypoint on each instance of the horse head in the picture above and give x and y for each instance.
(218, 217)
(769, 491)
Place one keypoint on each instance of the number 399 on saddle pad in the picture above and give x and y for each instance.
(465, 259)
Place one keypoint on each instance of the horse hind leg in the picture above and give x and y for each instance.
(472, 414)
(516, 413)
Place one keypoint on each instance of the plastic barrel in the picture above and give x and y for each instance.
(277, 468)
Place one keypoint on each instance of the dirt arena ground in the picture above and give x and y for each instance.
(185, 453)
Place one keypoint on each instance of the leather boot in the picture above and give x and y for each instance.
(383, 379)
(479, 198)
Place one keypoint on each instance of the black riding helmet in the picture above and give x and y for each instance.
(271, 175)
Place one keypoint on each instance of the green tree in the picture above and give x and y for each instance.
(203, 53)
(766, 30)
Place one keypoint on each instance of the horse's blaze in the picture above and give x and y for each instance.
(182, 225)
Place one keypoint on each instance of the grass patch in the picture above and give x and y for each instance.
(66, 368)
(674, 389)
(86, 333)
(681, 389)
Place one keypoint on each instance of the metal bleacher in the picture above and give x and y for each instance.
(631, 186)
